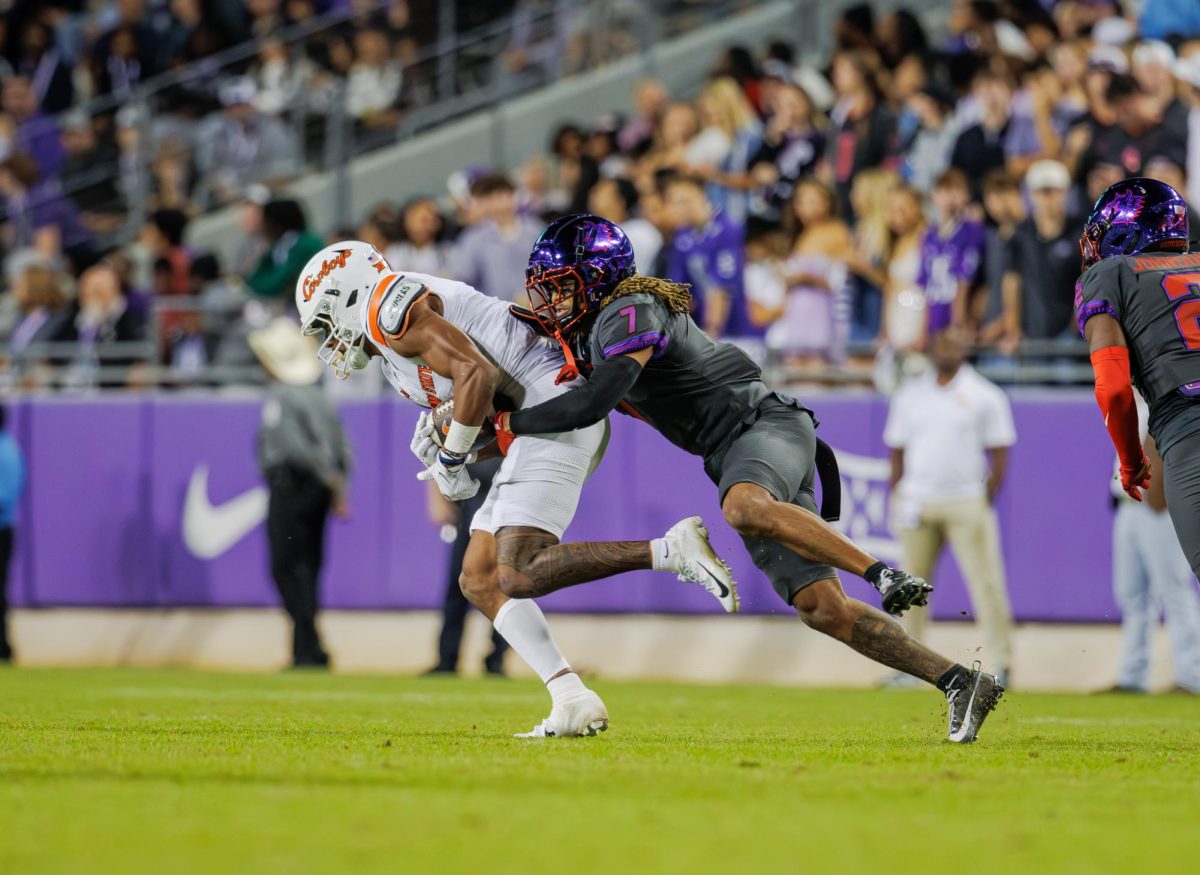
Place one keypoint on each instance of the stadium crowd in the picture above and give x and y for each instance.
(821, 210)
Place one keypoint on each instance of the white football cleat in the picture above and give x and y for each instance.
(583, 715)
(699, 563)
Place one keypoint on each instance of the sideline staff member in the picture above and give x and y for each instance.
(949, 432)
(305, 459)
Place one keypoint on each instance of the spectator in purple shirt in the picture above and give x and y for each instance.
(36, 133)
(708, 252)
(40, 216)
(951, 251)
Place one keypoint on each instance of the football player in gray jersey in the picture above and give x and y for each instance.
(1138, 306)
(634, 338)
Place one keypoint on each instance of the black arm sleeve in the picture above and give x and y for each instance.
(582, 406)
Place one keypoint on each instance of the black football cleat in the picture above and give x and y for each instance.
(900, 590)
(970, 701)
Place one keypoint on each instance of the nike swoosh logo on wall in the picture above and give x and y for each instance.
(209, 531)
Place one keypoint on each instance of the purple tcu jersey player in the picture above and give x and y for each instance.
(1138, 305)
(708, 252)
(635, 339)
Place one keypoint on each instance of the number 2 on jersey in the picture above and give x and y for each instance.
(1185, 286)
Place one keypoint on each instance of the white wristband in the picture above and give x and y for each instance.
(460, 438)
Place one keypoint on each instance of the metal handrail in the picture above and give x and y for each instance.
(151, 88)
(70, 349)
(244, 50)
(293, 33)
(1038, 362)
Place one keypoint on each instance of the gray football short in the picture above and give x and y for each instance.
(1182, 483)
(776, 452)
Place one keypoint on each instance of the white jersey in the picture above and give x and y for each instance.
(539, 482)
(524, 358)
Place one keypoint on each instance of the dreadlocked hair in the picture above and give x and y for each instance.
(677, 296)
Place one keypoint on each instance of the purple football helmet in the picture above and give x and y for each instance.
(575, 263)
(1132, 216)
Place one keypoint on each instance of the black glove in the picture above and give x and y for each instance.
(899, 589)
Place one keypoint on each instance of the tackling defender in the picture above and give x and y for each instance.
(1138, 306)
(438, 337)
(647, 355)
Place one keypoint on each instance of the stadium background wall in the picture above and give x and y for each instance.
(106, 528)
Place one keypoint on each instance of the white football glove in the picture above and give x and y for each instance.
(422, 444)
(452, 478)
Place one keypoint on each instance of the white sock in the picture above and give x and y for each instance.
(524, 627)
(565, 687)
(664, 554)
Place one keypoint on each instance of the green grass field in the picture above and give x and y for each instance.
(136, 771)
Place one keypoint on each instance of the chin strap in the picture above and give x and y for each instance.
(570, 369)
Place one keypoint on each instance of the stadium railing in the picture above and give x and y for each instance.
(220, 330)
(458, 73)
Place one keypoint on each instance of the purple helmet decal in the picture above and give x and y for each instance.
(1132, 216)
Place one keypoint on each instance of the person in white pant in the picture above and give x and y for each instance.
(1151, 574)
(451, 349)
(949, 432)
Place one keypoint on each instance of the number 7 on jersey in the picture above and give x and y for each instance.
(630, 313)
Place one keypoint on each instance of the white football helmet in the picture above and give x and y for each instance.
(332, 289)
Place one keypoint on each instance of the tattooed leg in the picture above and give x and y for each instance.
(532, 563)
(826, 608)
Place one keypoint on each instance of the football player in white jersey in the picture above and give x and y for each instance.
(438, 338)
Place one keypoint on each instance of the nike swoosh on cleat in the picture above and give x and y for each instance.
(970, 704)
(717, 581)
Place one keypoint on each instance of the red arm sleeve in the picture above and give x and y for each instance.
(1114, 394)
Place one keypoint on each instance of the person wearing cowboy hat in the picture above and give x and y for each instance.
(305, 458)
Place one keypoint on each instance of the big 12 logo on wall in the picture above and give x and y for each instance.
(866, 499)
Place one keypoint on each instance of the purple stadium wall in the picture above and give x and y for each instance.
(102, 521)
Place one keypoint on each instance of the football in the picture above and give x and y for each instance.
(443, 414)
